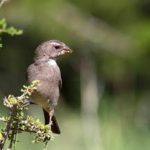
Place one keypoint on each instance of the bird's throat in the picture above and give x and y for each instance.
(52, 62)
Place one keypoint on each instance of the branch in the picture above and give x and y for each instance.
(4, 28)
(7, 129)
(18, 122)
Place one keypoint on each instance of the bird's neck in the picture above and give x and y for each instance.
(50, 61)
(44, 59)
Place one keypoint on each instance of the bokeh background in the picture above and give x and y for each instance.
(104, 103)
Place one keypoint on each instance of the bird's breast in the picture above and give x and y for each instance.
(49, 75)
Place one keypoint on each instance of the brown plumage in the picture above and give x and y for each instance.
(46, 70)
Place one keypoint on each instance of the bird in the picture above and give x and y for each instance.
(45, 69)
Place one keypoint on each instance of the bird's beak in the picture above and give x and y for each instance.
(67, 49)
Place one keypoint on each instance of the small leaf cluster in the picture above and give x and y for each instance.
(1, 136)
(42, 133)
(8, 30)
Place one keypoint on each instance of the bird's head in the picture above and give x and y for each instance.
(51, 49)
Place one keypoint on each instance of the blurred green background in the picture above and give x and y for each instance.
(104, 103)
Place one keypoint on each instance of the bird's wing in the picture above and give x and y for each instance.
(60, 83)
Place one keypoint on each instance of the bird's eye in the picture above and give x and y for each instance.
(57, 46)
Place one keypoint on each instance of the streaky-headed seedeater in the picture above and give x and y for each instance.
(45, 69)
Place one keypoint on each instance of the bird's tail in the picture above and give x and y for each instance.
(54, 127)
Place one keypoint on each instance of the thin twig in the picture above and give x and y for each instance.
(13, 134)
(21, 130)
(2, 2)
